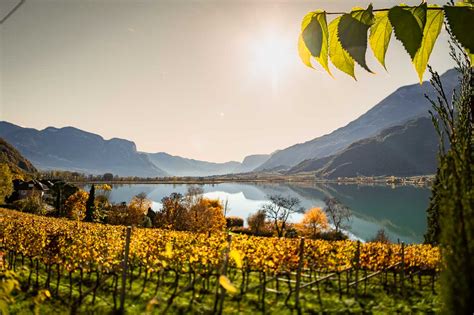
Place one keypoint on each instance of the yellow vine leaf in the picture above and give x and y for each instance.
(434, 22)
(323, 56)
(339, 57)
(304, 53)
(235, 255)
(380, 34)
(169, 249)
(226, 284)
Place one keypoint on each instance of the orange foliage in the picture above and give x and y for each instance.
(314, 221)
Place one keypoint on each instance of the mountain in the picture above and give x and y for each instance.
(251, 162)
(17, 163)
(70, 148)
(406, 103)
(73, 149)
(406, 150)
(179, 166)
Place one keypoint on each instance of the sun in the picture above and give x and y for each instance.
(272, 55)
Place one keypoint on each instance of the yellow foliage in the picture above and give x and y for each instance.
(206, 215)
(76, 205)
(314, 221)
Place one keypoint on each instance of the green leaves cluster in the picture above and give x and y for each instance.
(344, 41)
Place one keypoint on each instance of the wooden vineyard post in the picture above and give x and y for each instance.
(357, 268)
(224, 272)
(298, 275)
(124, 270)
(402, 272)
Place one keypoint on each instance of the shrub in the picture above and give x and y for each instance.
(234, 222)
(32, 204)
(381, 237)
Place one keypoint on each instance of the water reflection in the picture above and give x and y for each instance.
(399, 210)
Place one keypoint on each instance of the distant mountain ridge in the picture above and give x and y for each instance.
(179, 166)
(73, 149)
(406, 150)
(406, 103)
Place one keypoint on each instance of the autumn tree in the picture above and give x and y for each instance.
(172, 214)
(137, 209)
(279, 209)
(75, 205)
(314, 221)
(207, 215)
(338, 214)
(6, 182)
(257, 221)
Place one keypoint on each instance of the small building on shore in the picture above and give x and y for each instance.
(24, 189)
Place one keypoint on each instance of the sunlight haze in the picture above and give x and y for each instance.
(209, 80)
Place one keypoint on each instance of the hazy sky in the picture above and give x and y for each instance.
(213, 80)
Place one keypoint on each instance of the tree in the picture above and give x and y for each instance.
(344, 41)
(433, 231)
(172, 215)
(338, 214)
(90, 205)
(279, 209)
(75, 205)
(206, 215)
(108, 177)
(452, 217)
(152, 216)
(137, 209)
(257, 221)
(314, 221)
(6, 182)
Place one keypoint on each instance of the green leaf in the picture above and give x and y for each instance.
(304, 53)
(434, 22)
(407, 27)
(313, 37)
(379, 38)
(352, 33)
(323, 56)
(339, 57)
(461, 23)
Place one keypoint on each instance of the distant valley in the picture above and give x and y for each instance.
(395, 137)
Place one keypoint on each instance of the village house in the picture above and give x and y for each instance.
(24, 189)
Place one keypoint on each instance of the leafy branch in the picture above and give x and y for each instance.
(344, 41)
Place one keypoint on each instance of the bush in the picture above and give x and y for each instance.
(332, 236)
(32, 204)
(249, 231)
(381, 237)
(234, 222)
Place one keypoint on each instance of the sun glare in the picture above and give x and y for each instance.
(272, 55)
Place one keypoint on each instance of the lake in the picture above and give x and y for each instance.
(400, 210)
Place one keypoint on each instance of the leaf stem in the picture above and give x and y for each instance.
(379, 10)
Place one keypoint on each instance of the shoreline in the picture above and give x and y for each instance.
(419, 181)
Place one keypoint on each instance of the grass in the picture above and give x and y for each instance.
(379, 295)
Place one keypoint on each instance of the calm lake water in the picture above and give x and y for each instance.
(398, 210)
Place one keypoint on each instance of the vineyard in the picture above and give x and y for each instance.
(87, 266)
